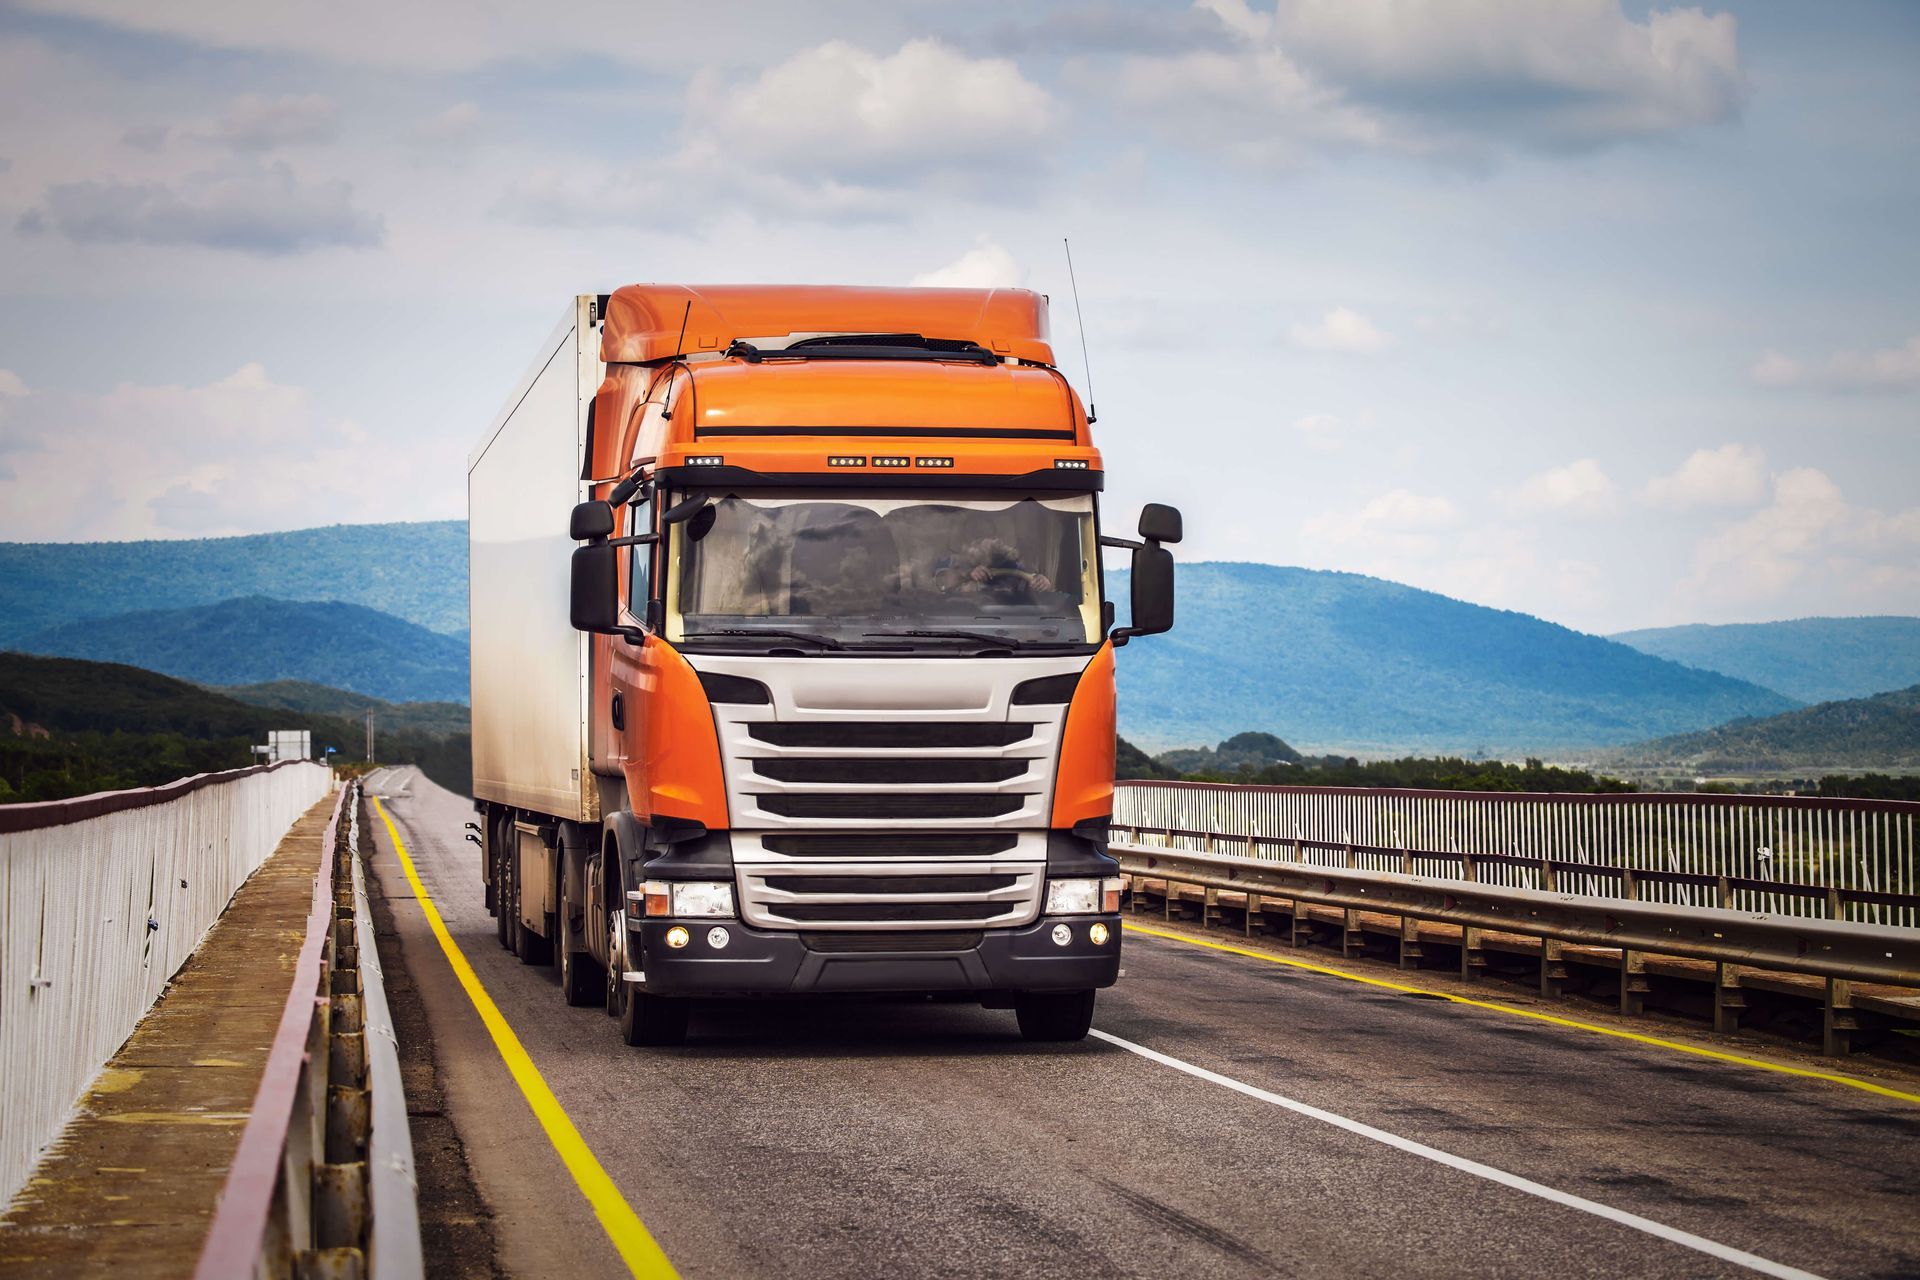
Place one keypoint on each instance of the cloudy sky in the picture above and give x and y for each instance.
(1605, 313)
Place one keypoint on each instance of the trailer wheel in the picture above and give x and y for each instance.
(507, 911)
(577, 977)
(1054, 1015)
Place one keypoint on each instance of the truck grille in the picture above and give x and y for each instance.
(887, 795)
(895, 885)
(858, 770)
(959, 844)
(876, 897)
(881, 735)
(890, 805)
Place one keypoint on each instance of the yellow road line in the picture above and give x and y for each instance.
(623, 1226)
(1852, 1082)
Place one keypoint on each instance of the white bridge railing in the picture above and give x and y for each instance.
(102, 899)
(1784, 855)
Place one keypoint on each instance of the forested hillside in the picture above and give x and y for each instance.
(1351, 663)
(69, 727)
(413, 571)
(1812, 659)
(1880, 732)
(256, 639)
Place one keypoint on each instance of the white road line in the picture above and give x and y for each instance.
(1685, 1239)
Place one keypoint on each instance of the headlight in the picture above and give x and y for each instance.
(1083, 897)
(702, 898)
(685, 898)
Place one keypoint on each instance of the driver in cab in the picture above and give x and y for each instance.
(988, 566)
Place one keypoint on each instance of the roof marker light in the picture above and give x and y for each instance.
(1072, 464)
(846, 460)
(705, 460)
(885, 460)
(933, 462)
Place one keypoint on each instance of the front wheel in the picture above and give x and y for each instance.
(1054, 1015)
(653, 1020)
(644, 1019)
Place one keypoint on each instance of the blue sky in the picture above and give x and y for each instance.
(1607, 314)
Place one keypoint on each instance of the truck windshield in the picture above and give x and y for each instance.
(861, 570)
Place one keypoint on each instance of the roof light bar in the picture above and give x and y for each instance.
(1072, 464)
(894, 460)
(846, 460)
(933, 462)
(705, 460)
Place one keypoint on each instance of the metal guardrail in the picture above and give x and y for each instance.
(322, 1181)
(1800, 856)
(104, 898)
(1825, 948)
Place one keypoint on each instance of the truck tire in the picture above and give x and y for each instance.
(580, 981)
(534, 949)
(506, 910)
(1054, 1015)
(616, 964)
(652, 1020)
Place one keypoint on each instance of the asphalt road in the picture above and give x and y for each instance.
(1296, 1124)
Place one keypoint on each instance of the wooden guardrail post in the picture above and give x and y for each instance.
(1351, 936)
(1838, 1022)
(1472, 957)
(1728, 999)
(1634, 987)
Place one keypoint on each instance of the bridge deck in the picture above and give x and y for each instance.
(129, 1186)
(888, 1138)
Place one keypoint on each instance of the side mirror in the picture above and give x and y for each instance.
(595, 600)
(1160, 522)
(1152, 590)
(593, 520)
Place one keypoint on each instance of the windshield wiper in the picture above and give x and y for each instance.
(948, 633)
(825, 642)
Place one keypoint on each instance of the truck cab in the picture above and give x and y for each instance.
(846, 711)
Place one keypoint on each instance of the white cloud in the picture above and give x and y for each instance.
(12, 386)
(1579, 488)
(833, 132)
(255, 122)
(1734, 475)
(1395, 514)
(241, 454)
(1439, 76)
(985, 266)
(1887, 369)
(456, 127)
(1322, 432)
(1809, 535)
(1341, 329)
(838, 112)
(255, 210)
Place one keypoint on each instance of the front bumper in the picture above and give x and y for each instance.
(764, 962)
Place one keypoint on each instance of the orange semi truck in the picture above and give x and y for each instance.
(792, 666)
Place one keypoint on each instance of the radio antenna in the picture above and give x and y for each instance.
(1081, 321)
(680, 343)
(679, 350)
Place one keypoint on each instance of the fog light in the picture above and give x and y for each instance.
(1062, 935)
(1098, 934)
(718, 938)
(677, 937)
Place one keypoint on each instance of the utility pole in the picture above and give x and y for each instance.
(369, 735)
